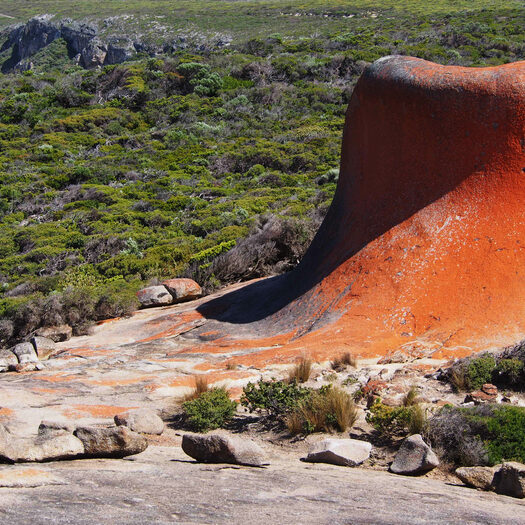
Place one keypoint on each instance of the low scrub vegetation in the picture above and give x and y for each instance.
(397, 421)
(483, 435)
(302, 410)
(209, 410)
(301, 371)
(342, 361)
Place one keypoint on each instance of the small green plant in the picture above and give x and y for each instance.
(410, 398)
(396, 421)
(210, 410)
(473, 373)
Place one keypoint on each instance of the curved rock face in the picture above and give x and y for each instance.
(424, 243)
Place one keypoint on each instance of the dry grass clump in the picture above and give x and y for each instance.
(342, 361)
(410, 398)
(301, 371)
(201, 386)
(329, 409)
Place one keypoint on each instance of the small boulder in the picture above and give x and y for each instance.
(25, 353)
(44, 347)
(491, 390)
(216, 448)
(113, 442)
(414, 457)
(7, 360)
(141, 420)
(345, 452)
(154, 296)
(477, 477)
(57, 333)
(183, 289)
(510, 480)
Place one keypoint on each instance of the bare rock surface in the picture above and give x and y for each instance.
(113, 442)
(141, 420)
(7, 360)
(217, 448)
(414, 457)
(25, 353)
(154, 296)
(161, 486)
(478, 477)
(510, 479)
(16, 477)
(344, 452)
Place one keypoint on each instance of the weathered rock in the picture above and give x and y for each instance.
(478, 397)
(477, 477)
(55, 427)
(7, 360)
(216, 448)
(491, 390)
(113, 442)
(119, 51)
(154, 296)
(44, 346)
(183, 289)
(57, 333)
(27, 477)
(414, 457)
(510, 480)
(141, 420)
(345, 452)
(25, 353)
(44, 448)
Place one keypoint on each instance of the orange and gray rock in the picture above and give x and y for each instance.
(113, 442)
(141, 420)
(56, 333)
(217, 448)
(154, 296)
(414, 457)
(344, 452)
(183, 289)
(510, 479)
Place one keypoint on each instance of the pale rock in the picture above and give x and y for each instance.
(217, 448)
(44, 346)
(154, 296)
(141, 420)
(25, 353)
(345, 452)
(7, 360)
(57, 333)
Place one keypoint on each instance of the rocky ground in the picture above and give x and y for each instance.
(163, 485)
(150, 361)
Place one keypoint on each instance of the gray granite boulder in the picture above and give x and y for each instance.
(44, 346)
(112, 442)
(414, 457)
(154, 296)
(510, 480)
(25, 353)
(217, 448)
(477, 477)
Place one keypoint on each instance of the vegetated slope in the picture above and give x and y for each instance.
(422, 247)
(134, 172)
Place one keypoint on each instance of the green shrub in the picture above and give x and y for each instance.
(211, 410)
(472, 373)
(396, 421)
(480, 435)
(277, 397)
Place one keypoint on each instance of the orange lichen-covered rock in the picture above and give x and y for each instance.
(425, 238)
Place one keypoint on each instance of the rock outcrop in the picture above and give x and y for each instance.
(141, 420)
(423, 240)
